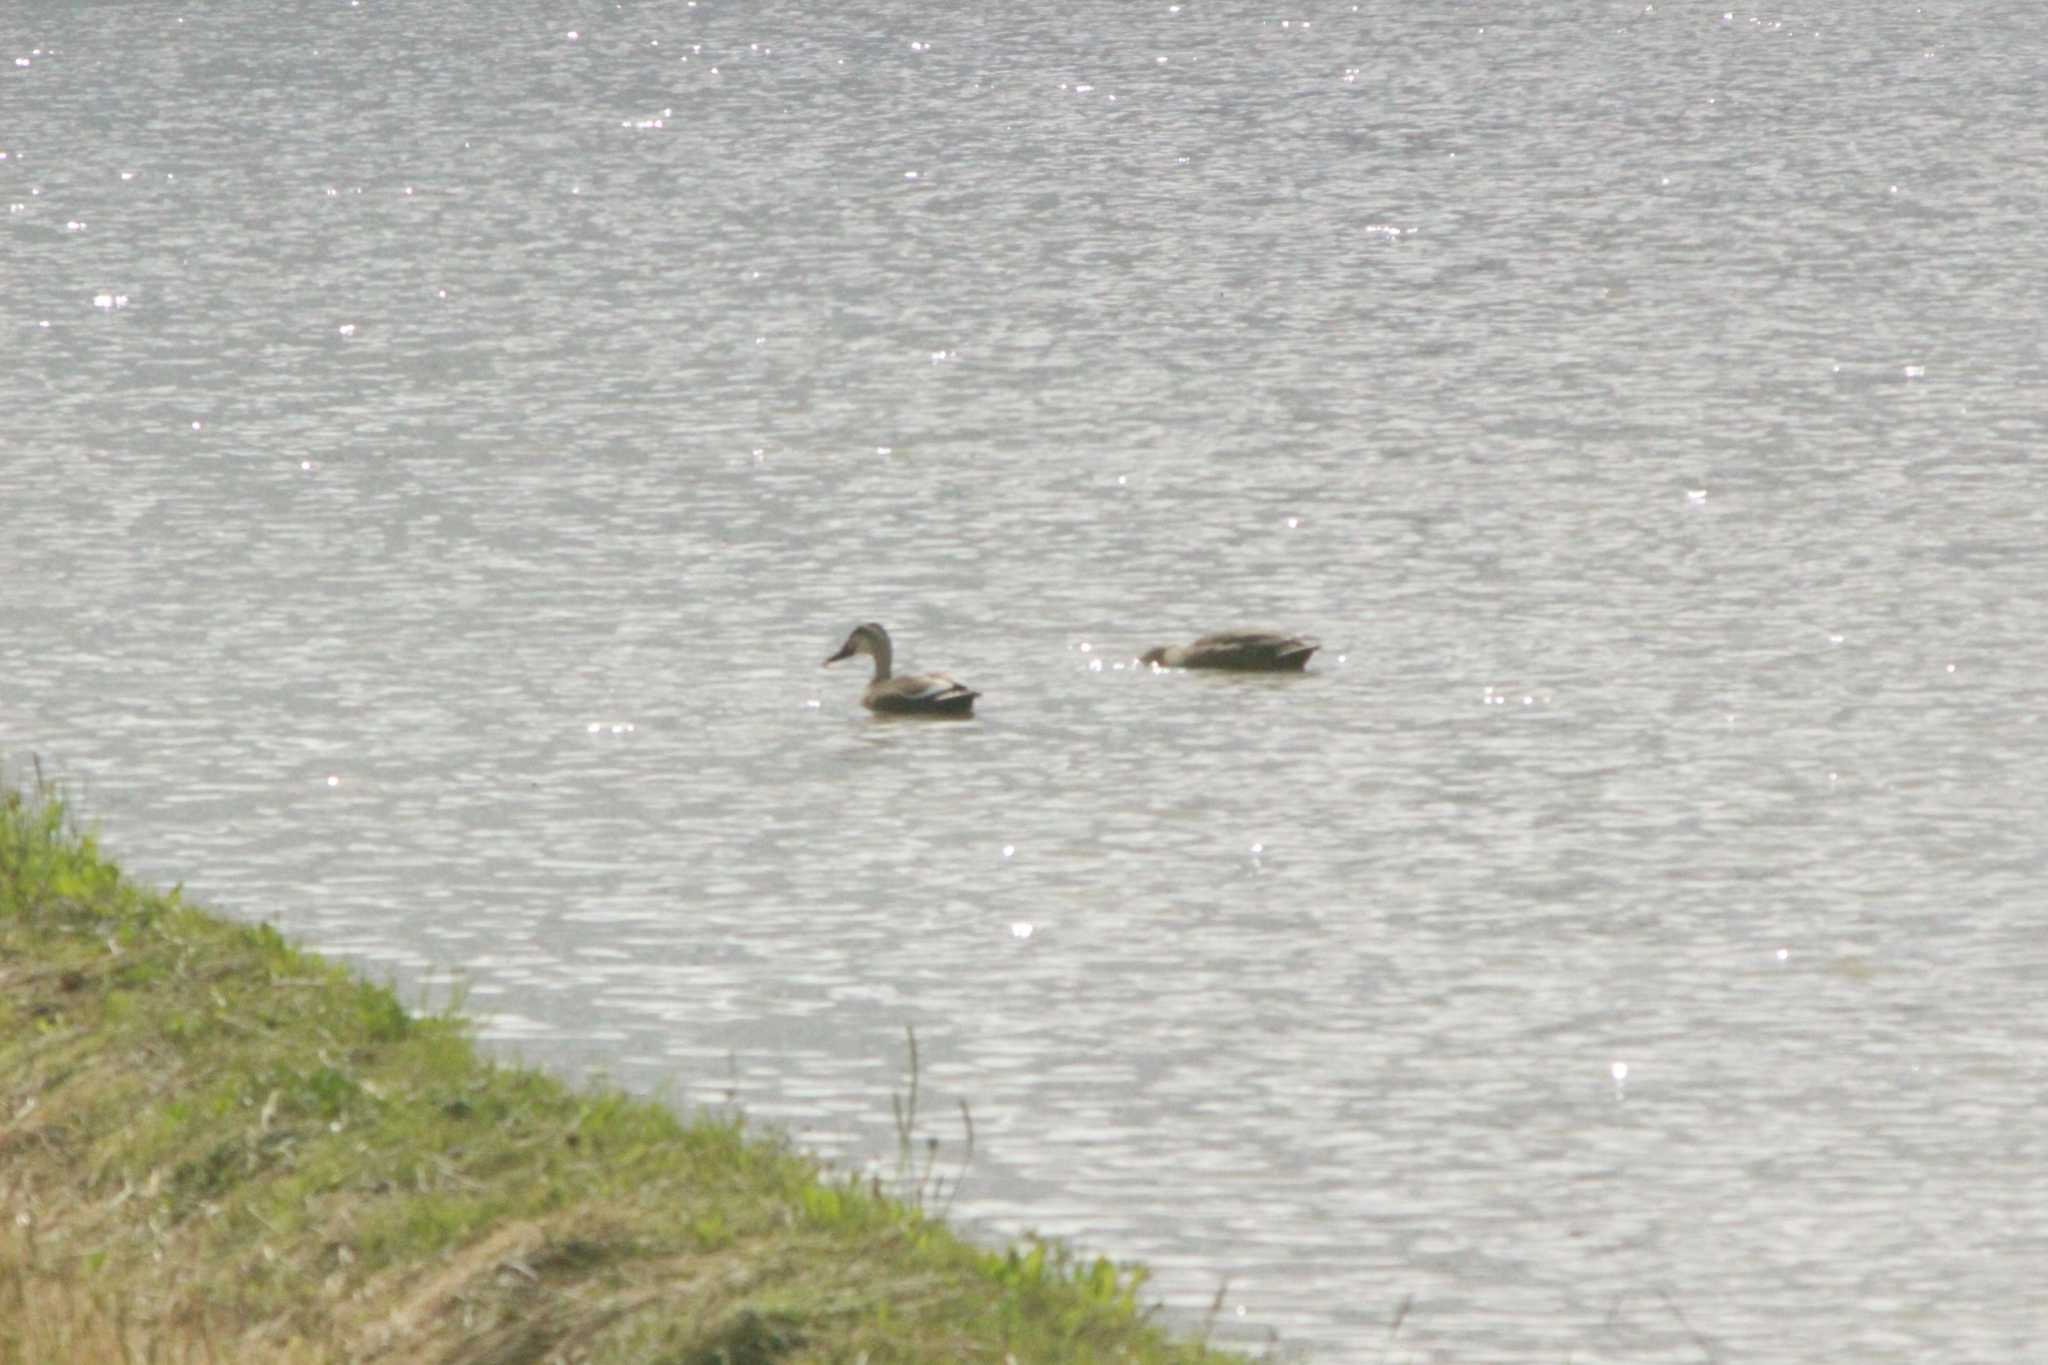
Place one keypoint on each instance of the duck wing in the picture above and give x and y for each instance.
(1251, 649)
(929, 693)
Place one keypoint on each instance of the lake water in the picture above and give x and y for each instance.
(441, 443)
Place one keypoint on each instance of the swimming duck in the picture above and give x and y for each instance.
(1247, 651)
(917, 694)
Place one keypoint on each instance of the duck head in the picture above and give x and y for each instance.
(867, 638)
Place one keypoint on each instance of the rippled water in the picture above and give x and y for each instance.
(441, 444)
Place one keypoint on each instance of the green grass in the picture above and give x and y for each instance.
(215, 1147)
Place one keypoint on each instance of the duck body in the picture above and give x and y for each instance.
(913, 694)
(1244, 651)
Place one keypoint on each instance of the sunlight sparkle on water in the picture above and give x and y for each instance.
(1021, 929)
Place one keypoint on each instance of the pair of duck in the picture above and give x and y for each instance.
(937, 694)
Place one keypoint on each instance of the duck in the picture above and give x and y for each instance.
(1246, 651)
(914, 694)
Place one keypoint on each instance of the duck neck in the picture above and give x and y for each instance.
(878, 645)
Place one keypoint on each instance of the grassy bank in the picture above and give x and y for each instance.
(216, 1148)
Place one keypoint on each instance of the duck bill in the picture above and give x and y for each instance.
(845, 652)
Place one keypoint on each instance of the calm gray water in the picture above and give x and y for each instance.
(441, 442)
